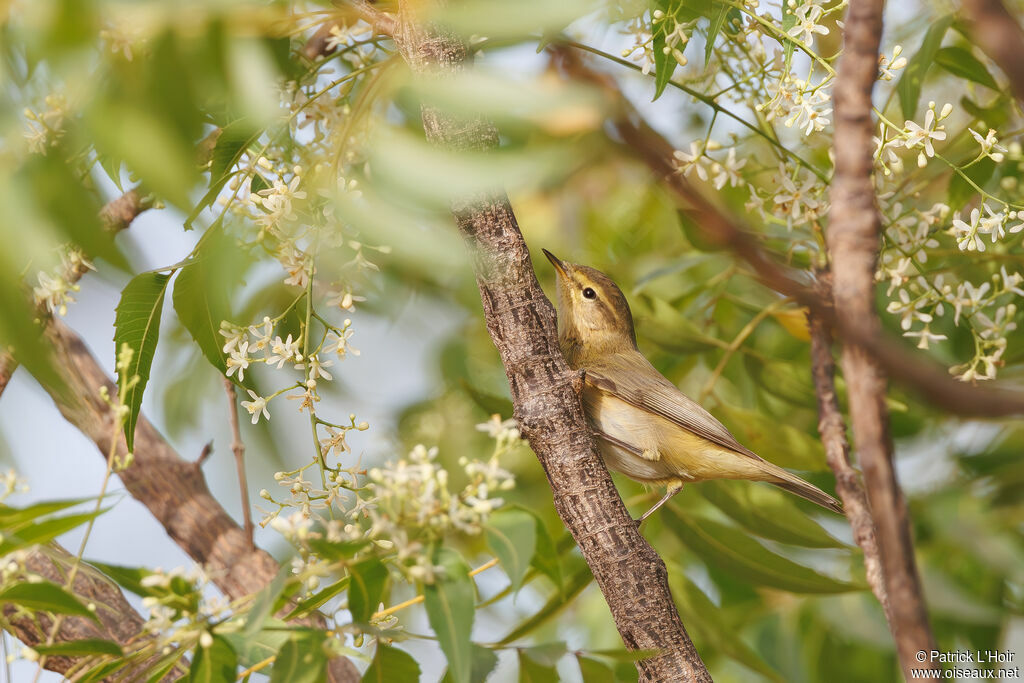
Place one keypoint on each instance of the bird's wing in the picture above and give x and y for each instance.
(646, 388)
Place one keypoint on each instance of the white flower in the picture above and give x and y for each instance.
(807, 23)
(261, 336)
(918, 136)
(968, 297)
(238, 360)
(909, 310)
(967, 233)
(926, 336)
(233, 334)
(796, 201)
(810, 114)
(989, 143)
(887, 68)
(316, 367)
(283, 351)
(256, 407)
(695, 159)
(727, 171)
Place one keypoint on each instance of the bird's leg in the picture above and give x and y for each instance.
(673, 489)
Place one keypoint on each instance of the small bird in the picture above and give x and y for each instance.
(646, 428)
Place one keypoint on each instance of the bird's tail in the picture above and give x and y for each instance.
(795, 484)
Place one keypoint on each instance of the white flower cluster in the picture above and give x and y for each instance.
(719, 173)
(54, 291)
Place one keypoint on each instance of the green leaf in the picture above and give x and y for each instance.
(768, 512)
(263, 604)
(484, 661)
(774, 440)
(319, 599)
(512, 537)
(45, 597)
(163, 666)
(532, 671)
(717, 21)
(994, 115)
(129, 578)
(301, 659)
(266, 643)
(366, 588)
(258, 183)
(960, 62)
(960, 191)
(733, 551)
(664, 64)
(909, 85)
(45, 531)
(391, 664)
(201, 293)
(594, 671)
(450, 602)
(546, 558)
(137, 324)
(555, 604)
(709, 626)
(215, 664)
(12, 518)
(788, 46)
(234, 139)
(81, 648)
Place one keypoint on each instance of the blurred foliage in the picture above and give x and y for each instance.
(318, 166)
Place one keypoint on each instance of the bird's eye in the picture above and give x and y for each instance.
(589, 293)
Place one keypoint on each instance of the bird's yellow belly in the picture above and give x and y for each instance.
(671, 453)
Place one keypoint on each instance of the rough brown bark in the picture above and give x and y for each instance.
(832, 428)
(853, 242)
(928, 380)
(173, 489)
(998, 34)
(118, 621)
(521, 322)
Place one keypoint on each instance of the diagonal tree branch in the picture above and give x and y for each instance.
(853, 242)
(118, 621)
(1000, 37)
(521, 322)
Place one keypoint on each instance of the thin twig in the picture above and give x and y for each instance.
(832, 429)
(205, 453)
(853, 239)
(238, 448)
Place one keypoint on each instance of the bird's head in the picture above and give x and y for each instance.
(593, 316)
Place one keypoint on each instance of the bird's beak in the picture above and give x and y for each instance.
(557, 263)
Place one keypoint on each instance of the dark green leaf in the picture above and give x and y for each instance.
(81, 648)
(164, 665)
(768, 512)
(266, 643)
(556, 603)
(258, 183)
(215, 664)
(992, 116)
(129, 578)
(366, 588)
(960, 62)
(391, 665)
(137, 325)
(512, 537)
(450, 602)
(733, 551)
(909, 85)
(594, 671)
(301, 659)
(45, 597)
